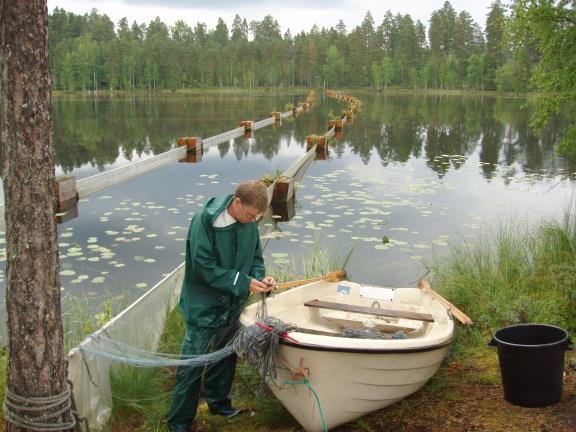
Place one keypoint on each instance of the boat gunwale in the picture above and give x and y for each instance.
(386, 350)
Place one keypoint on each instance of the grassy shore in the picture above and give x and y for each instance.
(514, 276)
(257, 91)
(279, 91)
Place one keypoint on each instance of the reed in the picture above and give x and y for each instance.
(78, 322)
(515, 275)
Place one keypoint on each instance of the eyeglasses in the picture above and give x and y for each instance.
(249, 215)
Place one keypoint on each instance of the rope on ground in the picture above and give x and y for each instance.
(35, 413)
(305, 382)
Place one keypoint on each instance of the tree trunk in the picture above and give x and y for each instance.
(36, 367)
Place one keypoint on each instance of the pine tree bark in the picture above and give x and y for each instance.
(37, 365)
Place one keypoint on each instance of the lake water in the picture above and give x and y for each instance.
(409, 176)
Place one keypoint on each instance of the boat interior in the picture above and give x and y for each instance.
(348, 309)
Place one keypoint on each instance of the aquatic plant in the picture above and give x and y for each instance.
(269, 179)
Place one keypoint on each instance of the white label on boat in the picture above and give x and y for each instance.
(377, 293)
(343, 289)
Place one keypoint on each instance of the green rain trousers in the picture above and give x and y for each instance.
(218, 377)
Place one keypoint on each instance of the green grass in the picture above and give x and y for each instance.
(139, 393)
(318, 263)
(514, 275)
(517, 275)
(144, 394)
(78, 322)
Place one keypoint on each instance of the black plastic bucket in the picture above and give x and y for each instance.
(531, 360)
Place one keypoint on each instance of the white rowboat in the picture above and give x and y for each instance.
(354, 376)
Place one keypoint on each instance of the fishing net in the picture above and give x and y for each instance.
(257, 344)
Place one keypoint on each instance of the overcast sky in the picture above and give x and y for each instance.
(295, 15)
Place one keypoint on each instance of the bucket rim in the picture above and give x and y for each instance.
(564, 340)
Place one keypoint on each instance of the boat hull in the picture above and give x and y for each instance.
(349, 385)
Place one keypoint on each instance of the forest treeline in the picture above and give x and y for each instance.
(525, 46)
(88, 52)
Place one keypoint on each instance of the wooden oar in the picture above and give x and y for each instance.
(461, 316)
(335, 276)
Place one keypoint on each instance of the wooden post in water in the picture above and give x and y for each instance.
(283, 190)
(66, 195)
(321, 153)
(194, 149)
(65, 192)
(276, 115)
(319, 140)
(337, 124)
(67, 213)
(321, 147)
(248, 126)
(190, 142)
(283, 211)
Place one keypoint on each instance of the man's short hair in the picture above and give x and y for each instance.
(253, 193)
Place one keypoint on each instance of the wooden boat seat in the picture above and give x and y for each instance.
(392, 313)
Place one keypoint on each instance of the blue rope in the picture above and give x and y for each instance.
(307, 384)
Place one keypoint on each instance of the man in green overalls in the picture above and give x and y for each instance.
(224, 265)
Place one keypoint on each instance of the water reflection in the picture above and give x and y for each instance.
(97, 132)
(398, 128)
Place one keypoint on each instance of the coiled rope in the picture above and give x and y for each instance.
(35, 413)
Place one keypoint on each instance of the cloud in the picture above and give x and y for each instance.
(232, 4)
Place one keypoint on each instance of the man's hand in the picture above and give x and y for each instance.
(258, 287)
(270, 282)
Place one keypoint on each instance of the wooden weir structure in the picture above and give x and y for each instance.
(88, 373)
(68, 191)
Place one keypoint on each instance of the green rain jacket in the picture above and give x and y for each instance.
(220, 263)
